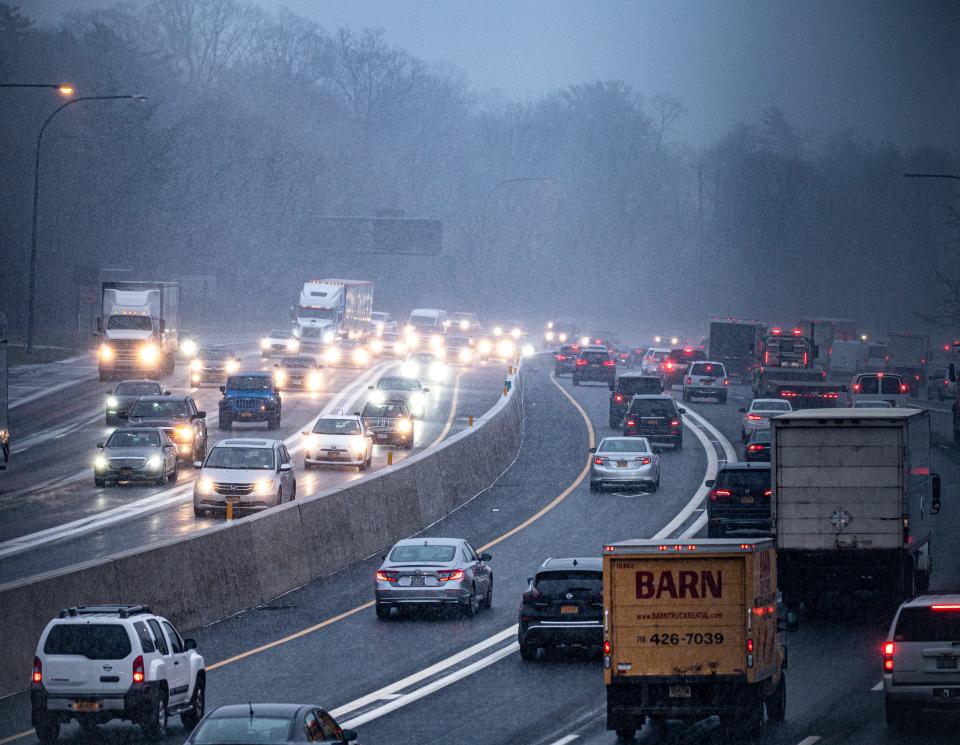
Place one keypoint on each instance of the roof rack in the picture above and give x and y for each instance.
(124, 611)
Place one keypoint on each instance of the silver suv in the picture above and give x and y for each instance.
(97, 663)
(706, 379)
(921, 658)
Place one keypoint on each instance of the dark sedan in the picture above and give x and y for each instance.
(268, 724)
(179, 417)
(758, 446)
(564, 359)
(390, 423)
(125, 395)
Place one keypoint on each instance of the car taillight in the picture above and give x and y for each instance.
(580, 363)
(888, 649)
(631, 423)
(689, 381)
(618, 398)
(37, 671)
(669, 365)
(945, 607)
(447, 575)
(560, 358)
(726, 381)
(768, 493)
(856, 387)
(749, 645)
(753, 447)
(754, 417)
(599, 460)
(716, 494)
(138, 675)
(675, 423)
(904, 388)
(383, 576)
(608, 363)
(607, 647)
(643, 460)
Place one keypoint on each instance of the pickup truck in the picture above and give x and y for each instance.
(250, 397)
(692, 630)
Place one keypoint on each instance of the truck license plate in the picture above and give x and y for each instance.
(569, 609)
(946, 663)
(86, 706)
(679, 691)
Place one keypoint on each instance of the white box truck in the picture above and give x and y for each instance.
(329, 309)
(853, 499)
(138, 328)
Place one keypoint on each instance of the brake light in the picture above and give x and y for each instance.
(608, 363)
(888, 649)
(580, 363)
(797, 332)
(138, 675)
(726, 381)
(669, 365)
(754, 417)
(643, 460)
(560, 358)
(607, 647)
(716, 494)
(805, 358)
(946, 607)
(856, 387)
(618, 398)
(904, 388)
(384, 576)
(768, 493)
(688, 350)
(776, 331)
(447, 575)
(631, 423)
(599, 460)
(689, 381)
(675, 423)
(37, 671)
(753, 447)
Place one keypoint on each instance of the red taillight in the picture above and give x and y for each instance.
(888, 649)
(767, 493)
(904, 388)
(797, 332)
(384, 576)
(716, 494)
(675, 423)
(689, 381)
(560, 358)
(607, 647)
(688, 350)
(450, 574)
(643, 460)
(598, 460)
(618, 398)
(37, 671)
(138, 675)
(631, 423)
(669, 365)
(776, 331)
(753, 447)
(754, 417)
(856, 387)
(946, 607)
(749, 646)
(580, 363)
(608, 363)
(726, 381)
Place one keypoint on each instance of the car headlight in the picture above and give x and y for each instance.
(563, 337)
(464, 324)
(485, 346)
(378, 397)
(417, 400)
(314, 380)
(498, 331)
(154, 462)
(548, 336)
(112, 403)
(100, 461)
(438, 371)
(279, 378)
(358, 445)
(413, 341)
(149, 353)
(506, 349)
(436, 341)
(205, 486)
(527, 350)
(376, 346)
(188, 347)
(232, 366)
(184, 433)
(328, 337)
(264, 343)
(263, 486)
(410, 369)
(404, 425)
(465, 356)
(106, 352)
(293, 345)
(584, 341)
(400, 348)
(196, 365)
(515, 332)
(331, 355)
(361, 356)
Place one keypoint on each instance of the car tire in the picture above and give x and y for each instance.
(370, 460)
(197, 512)
(899, 713)
(175, 474)
(487, 602)
(679, 444)
(939, 394)
(279, 495)
(47, 728)
(383, 612)
(722, 398)
(528, 652)
(99, 482)
(777, 703)
(594, 487)
(362, 466)
(574, 380)
(713, 531)
(88, 727)
(225, 424)
(472, 606)
(198, 704)
(308, 466)
(154, 723)
(685, 396)
(273, 423)
(293, 491)
(625, 734)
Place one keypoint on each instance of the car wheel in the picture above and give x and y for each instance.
(684, 396)
(293, 491)
(593, 487)
(198, 704)
(161, 479)
(654, 486)
(370, 460)
(99, 482)
(154, 724)
(679, 444)
(574, 380)
(279, 495)
(175, 474)
(383, 612)
(472, 605)
(528, 652)
(307, 466)
(47, 728)
(777, 703)
(722, 398)
(88, 727)
(197, 512)
(488, 597)
(899, 713)
(625, 734)
(362, 466)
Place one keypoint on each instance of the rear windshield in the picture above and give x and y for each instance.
(888, 384)
(594, 356)
(707, 368)
(635, 386)
(426, 554)
(872, 405)
(927, 625)
(568, 350)
(754, 479)
(653, 407)
(761, 435)
(625, 445)
(138, 389)
(242, 730)
(95, 641)
(770, 406)
(575, 582)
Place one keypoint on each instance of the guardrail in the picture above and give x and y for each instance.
(229, 568)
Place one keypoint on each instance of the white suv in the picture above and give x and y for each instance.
(706, 378)
(102, 662)
(921, 658)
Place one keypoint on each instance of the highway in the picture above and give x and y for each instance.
(429, 678)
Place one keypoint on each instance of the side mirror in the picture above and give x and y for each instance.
(356, 413)
(485, 557)
(844, 389)
(306, 432)
(201, 415)
(592, 450)
(683, 410)
(347, 735)
(369, 387)
(742, 410)
(167, 393)
(123, 415)
(790, 623)
(198, 464)
(189, 643)
(709, 483)
(286, 467)
(935, 503)
(426, 390)
(223, 389)
(100, 445)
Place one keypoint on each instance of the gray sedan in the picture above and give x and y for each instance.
(126, 394)
(136, 454)
(625, 460)
(433, 571)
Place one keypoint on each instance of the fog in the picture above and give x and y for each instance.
(635, 165)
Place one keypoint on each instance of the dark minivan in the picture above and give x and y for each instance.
(657, 418)
(625, 388)
(738, 503)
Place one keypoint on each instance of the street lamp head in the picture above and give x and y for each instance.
(66, 89)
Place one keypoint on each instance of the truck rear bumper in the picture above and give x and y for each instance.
(807, 573)
(631, 700)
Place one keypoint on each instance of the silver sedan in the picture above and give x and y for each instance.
(136, 454)
(625, 460)
(433, 571)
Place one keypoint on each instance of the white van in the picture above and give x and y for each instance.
(878, 386)
(428, 320)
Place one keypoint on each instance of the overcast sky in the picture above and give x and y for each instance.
(888, 69)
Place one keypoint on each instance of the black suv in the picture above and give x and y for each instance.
(563, 606)
(594, 364)
(675, 364)
(655, 417)
(179, 417)
(738, 503)
(564, 359)
(625, 388)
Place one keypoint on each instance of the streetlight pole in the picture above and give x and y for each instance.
(31, 302)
